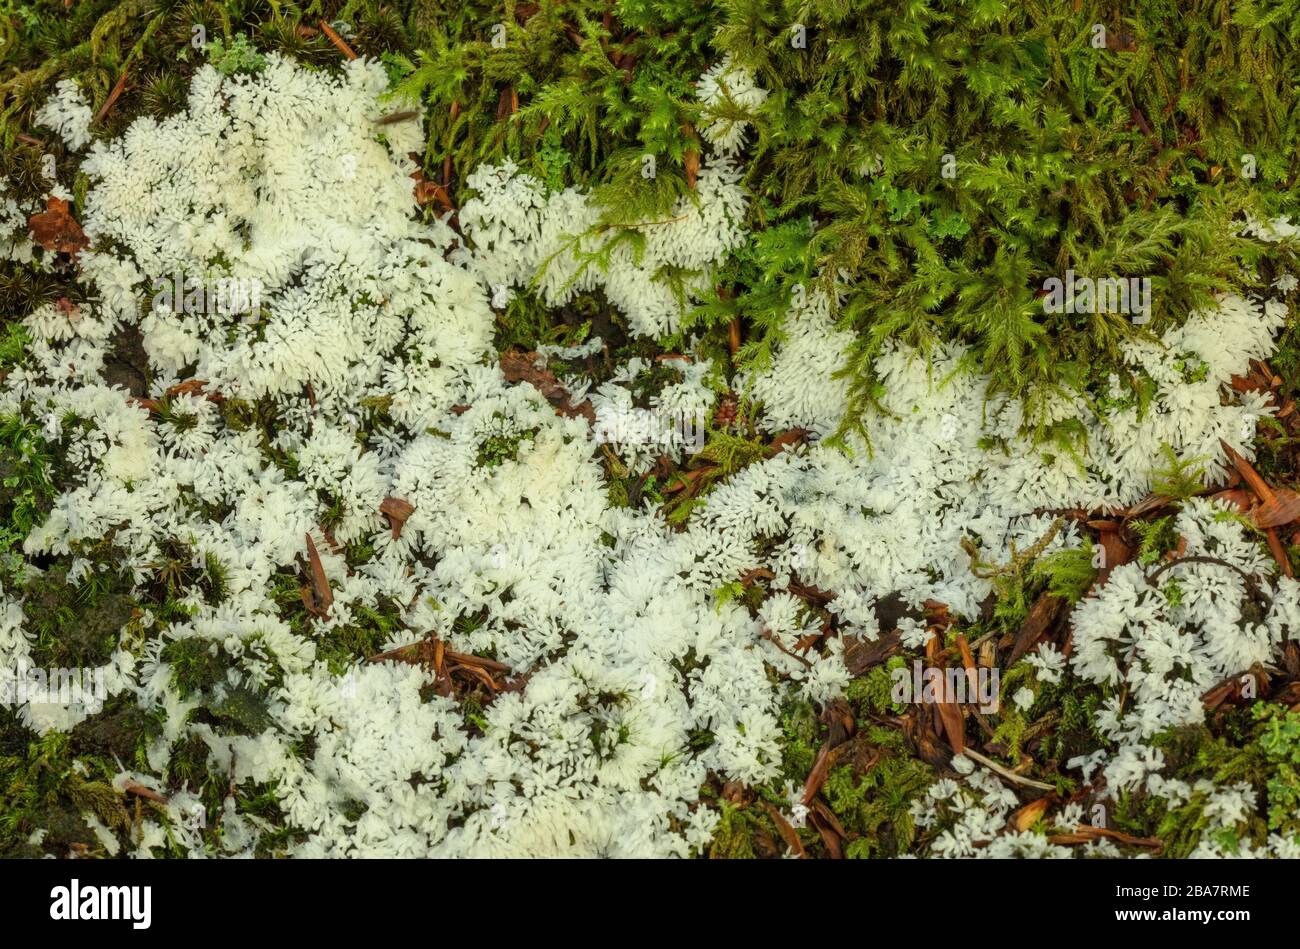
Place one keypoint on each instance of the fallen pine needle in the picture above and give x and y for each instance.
(1003, 772)
(139, 790)
(337, 40)
(111, 100)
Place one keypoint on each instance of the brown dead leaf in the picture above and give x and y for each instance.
(919, 737)
(195, 387)
(111, 100)
(1239, 498)
(951, 718)
(1024, 818)
(393, 118)
(508, 103)
(522, 367)
(1283, 509)
(691, 158)
(433, 653)
(479, 674)
(811, 594)
(821, 770)
(1291, 658)
(1218, 695)
(948, 710)
(323, 595)
(468, 659)
(688, 481)
(861, 656)
(967, 657)
(1152, 502)
(839, 720)
(841, 725)
(829, 828)
(1041, 616)
(936, 614)
(823, 810)
(791, 436)
(734, 792)
(427, 192)
(1230, 690)
(1115, 552)
(397, 511)
(785, 830)
(1127, 43)
(56, 230)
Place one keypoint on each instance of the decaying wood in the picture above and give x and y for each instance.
(1084, 834)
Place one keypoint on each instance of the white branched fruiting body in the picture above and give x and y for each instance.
(15, 240)
(68, 113)
(612, 615)
(726, 89)
(524, 237)
(1168, 634)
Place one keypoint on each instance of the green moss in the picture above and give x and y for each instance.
(341, 648)
(1157, 538)
(27, 467)
(1180, 478)
(197, 664)
(13, 345)
(237, 56)
(118, 732)
(733, 837)
(801, 739)
(750, 596)
(45, 788)
(1076, 730)
(1258, 745)
(76, 625)
(873, 803)
(239, 711)
(496, 449)
(872, 693)
(1068, 574)
(1279, 741)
